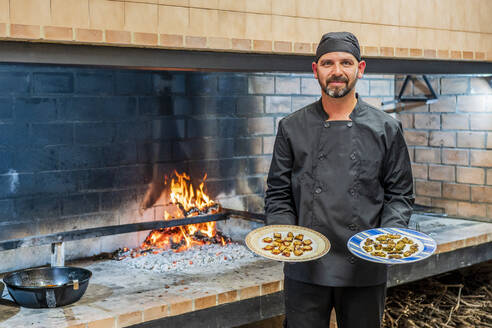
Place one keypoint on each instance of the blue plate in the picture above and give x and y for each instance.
(427, 245)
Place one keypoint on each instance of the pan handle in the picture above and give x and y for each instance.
(75, 284)
(50, 298)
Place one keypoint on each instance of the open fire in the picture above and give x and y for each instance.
(190, 201)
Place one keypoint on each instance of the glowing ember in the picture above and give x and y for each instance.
(191, 201)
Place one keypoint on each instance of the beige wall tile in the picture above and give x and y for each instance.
(458, 14)
(211, 4)
(303, 47)
(3, 29)
(472, 15)
(426, 12)
(173, 20)
(457, 40)
(389, 34)
(235, 5)
(372, 11)
(219, 43)
(183, 3)
(391, 12)
(73, 13)
(4, 11)
(349, 27)
(118, 36)
(241, 44)
(196, 42)
(259, 6)
(331, 9)
(58, 33)
(33, 12)
(484, 16)
(442, 38)
(262, 45)
(488, 42)
(284, 7)
(88, 35)
(145, 1)
(282, 46)
(171, 40)
(326, 26)
(106, 14)
(149, 39)
(231, 24)
(351, 10)
(308, 8)
(443, 19)
(370, 35)
(21, 31)
(472, 42)
(141, 17)
(283, 28)
(258, 27)
(408, 13)
(408, 38)
(307, 30)
(426, 38)
(203, 22)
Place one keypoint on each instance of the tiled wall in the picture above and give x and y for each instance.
(447, 29)
(451, 144)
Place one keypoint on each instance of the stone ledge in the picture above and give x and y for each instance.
(122, 297)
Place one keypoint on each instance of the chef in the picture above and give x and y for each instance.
(339, 166)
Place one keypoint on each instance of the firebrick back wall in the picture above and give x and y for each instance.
(79, 147)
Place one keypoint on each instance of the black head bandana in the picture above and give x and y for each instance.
(338, 41)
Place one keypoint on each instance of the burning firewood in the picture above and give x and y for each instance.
(191, 202)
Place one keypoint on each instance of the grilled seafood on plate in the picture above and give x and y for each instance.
(391, 246)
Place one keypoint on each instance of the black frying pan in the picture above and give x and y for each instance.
(47, 287)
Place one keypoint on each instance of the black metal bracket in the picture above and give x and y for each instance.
(400, 98)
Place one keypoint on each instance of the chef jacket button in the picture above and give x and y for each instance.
(349, 124)
(352, 226)
(352, 156)
(326, 125)
(322, 156)
(351, 259)
(352, 192)
(318, 190)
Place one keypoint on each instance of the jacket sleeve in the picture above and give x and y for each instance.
(397, 184)
(279, 203)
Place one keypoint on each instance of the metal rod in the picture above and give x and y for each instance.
(58, 254)
(107, 231)
(245, 214)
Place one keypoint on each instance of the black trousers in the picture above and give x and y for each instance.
(309, 306)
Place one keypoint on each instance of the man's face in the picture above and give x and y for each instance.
(337, 73)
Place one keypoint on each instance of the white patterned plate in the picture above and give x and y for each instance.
(427, 245)
(320, 244)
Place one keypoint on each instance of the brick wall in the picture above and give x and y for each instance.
(450, 143)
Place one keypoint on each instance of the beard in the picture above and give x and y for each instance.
(339, 92)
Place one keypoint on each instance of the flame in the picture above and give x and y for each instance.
(190, 200)
(182, 192)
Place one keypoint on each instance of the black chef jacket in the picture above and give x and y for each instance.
(338, 178)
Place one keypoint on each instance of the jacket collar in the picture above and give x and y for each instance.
(353, 115)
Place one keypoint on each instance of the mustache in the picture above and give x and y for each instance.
(337, 79)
